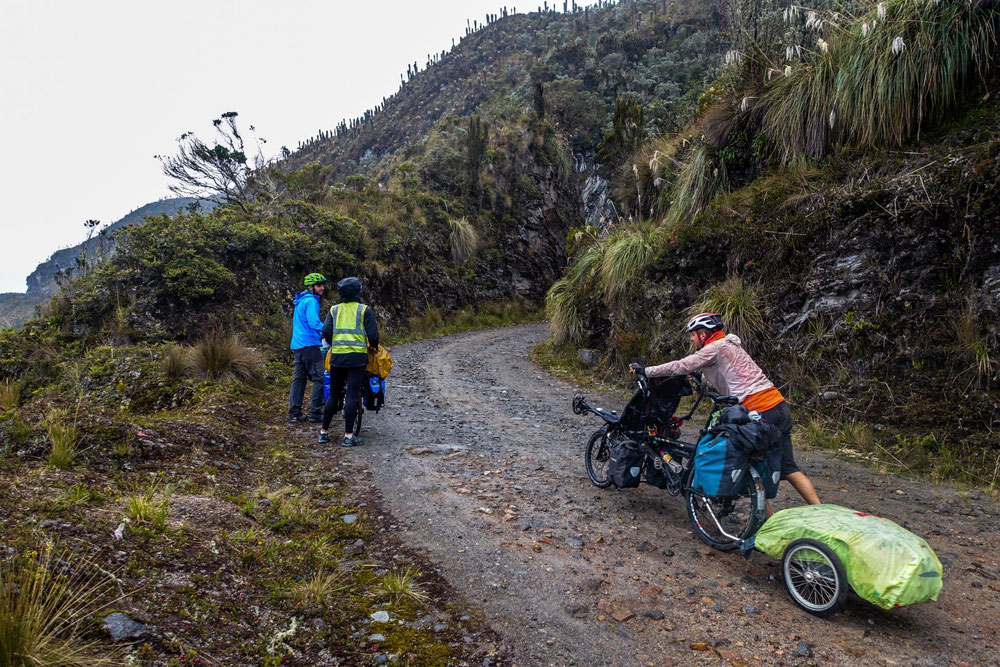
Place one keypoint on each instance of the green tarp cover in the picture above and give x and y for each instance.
(886, 564)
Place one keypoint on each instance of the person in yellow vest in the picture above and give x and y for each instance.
(349, 330)
(731, 371)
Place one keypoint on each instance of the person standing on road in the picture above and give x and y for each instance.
(731, 371)
(305, 345)
(349, 330)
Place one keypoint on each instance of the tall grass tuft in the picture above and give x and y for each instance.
(43, 610)
(63, 439)
(10, 394)
(736, 302)
(463, 240)
(972, 344)
(701, 178)
(625, 257)
(400, 584)
(882, 77)
(563, 306)
(174, 362)
(317, 589)
(151, 506)
(224, 357)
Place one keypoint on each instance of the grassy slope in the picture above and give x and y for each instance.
(862, 270)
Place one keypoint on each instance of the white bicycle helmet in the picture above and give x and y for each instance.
(710, 321)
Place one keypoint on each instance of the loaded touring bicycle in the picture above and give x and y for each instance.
(643, 442)
(825, 550)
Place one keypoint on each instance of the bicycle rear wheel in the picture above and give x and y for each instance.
(361, 413)
(723, 523)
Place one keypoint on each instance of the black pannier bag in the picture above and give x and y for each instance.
(758, 440)
(625, 464)
(664, 396)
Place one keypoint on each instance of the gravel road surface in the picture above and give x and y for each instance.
(479, 459)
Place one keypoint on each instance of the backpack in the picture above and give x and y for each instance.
(625, 464)
(373, 393)
(719, 467)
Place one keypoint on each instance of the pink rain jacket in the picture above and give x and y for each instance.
(724, 363)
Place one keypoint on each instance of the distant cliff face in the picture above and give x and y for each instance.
(42, 281)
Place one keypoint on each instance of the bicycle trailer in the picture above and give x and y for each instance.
(823, 548)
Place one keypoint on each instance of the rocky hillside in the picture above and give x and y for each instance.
(845, 227)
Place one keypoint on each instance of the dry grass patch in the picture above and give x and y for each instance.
(224, 357)
(43, 607)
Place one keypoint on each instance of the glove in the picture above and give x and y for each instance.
(638, 369)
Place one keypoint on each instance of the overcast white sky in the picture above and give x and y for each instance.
(91, 91)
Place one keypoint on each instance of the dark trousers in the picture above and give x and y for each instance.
(351, 378)
(308, 364)
(781, 418)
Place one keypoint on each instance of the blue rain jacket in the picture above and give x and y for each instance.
(306, 325)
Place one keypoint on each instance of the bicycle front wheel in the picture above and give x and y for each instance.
(723, 523)
(596, 458)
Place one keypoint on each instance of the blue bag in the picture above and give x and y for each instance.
(373, 395)
(719, 468)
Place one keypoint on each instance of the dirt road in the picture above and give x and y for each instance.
(480, 461)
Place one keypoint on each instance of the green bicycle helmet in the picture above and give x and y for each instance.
(314, 279)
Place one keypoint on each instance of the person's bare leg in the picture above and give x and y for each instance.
(804, 487)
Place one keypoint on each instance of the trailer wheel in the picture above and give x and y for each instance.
(814, 576)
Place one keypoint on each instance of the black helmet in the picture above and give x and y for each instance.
(349, 288)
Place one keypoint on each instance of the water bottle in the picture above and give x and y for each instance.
(326, 385)
(671, 463)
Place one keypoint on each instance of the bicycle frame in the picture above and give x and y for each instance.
(655, 445)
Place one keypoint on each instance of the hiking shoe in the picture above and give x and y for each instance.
(316, 420)
(324, 438)
(349, 441)
(296, 419)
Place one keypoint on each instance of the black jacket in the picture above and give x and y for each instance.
(352, 359)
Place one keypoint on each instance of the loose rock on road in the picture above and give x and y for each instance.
(479, 458)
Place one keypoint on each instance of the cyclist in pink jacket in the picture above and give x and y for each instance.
(730, 370)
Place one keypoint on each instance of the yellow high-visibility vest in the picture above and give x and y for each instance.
(348, 329)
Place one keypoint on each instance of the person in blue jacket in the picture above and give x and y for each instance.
(307, 328)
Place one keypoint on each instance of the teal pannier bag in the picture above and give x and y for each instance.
(719, 468)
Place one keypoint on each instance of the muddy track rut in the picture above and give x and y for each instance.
(480, 461)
